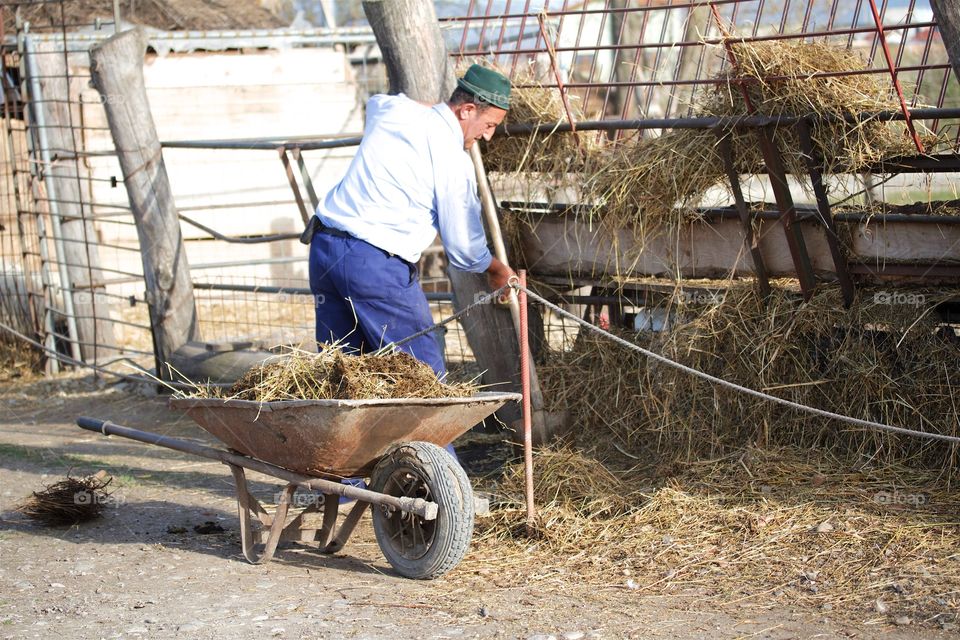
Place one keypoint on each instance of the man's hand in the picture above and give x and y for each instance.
(498, 274)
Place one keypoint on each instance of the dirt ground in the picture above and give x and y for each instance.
(142, 571)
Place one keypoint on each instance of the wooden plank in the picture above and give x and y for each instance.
(95, 330)
(555, 246)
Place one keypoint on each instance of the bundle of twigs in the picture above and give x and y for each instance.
(68, 502)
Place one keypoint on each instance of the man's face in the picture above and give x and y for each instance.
(478, 123)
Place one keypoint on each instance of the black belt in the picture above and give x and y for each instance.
(316, 226)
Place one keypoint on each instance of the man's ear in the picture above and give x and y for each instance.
(467, 109)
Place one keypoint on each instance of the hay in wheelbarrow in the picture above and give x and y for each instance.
(333, 374)
(68, 502)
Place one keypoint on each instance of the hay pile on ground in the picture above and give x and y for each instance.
(68, 502)
(758, 527)
(335, 375)
(885, 359)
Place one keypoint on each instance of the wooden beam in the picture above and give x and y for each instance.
(95, 330)
(116, 67)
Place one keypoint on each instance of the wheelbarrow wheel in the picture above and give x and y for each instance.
(415, 547)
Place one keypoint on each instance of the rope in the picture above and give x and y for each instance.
(867, 424)
(480, 301)
(736, 387)
(146, 378)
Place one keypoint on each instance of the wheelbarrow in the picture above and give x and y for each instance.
(423, 504)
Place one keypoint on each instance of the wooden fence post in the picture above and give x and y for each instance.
(116, 66)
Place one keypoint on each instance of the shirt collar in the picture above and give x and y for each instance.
(446, 113)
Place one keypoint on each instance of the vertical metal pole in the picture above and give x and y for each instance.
(525, 386)
(66, 288)
(116, 16)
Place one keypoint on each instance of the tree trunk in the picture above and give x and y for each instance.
(116, 67)
(412, 47)
(947, 15)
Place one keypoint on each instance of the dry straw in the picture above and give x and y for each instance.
(757, 527)
(885, 359)
(647, 183)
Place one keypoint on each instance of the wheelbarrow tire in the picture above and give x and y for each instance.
(414, 547)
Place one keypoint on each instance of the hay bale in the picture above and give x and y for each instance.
(334, 374)
(882, 362)
(650, 183)
(68, 502)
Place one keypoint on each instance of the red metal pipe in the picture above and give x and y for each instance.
(707, 41)
(525, 387)
(893, 74)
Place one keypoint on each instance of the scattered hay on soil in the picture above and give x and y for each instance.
(760, 526)
(68, 502)
(333, 374)
(18, 359)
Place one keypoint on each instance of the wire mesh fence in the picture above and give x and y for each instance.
(72, 276)
(652, 58)
(224, 101)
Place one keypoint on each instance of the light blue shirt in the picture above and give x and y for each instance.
(410, 179)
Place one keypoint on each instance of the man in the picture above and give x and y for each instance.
(409, 179)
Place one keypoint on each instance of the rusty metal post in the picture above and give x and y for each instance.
(525, 385)
(788, 212)
(750, 241)
(826, 216)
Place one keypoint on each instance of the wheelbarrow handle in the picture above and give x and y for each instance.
(417, 506)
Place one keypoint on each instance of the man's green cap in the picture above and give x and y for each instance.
(487, 84)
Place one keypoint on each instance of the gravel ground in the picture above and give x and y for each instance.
(141, 571)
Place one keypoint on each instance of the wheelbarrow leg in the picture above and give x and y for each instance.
(349, 524)
(331, 507)
(244, 500)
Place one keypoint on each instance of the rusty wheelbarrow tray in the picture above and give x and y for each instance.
(343, 438)
(423, 502)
